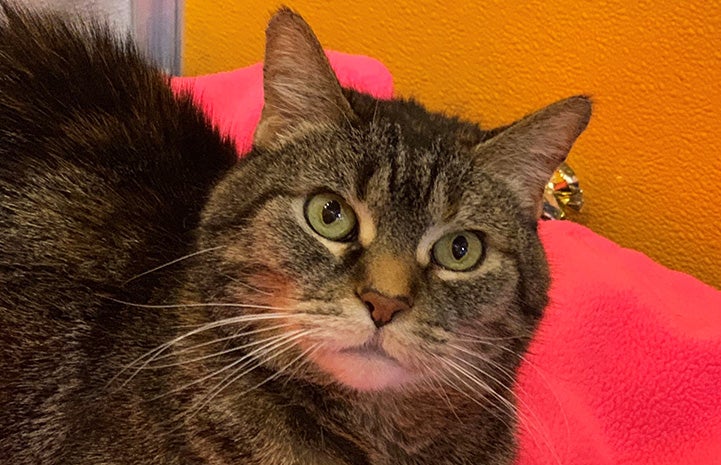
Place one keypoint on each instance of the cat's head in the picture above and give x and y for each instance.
(382, 246)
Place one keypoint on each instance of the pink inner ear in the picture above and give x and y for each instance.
(234, 99)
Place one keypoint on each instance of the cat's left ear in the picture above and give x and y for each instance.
(300, 87)
(527, 152)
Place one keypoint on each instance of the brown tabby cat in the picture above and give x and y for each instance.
(359, 289)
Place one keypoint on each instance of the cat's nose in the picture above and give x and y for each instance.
(382, 308)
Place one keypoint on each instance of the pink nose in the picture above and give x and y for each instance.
(382, 308)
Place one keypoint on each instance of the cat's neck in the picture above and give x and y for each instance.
(408, 422)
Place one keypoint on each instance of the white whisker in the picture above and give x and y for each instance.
(270, 344)
(478, 381)
(222, 339)
(504, 371)
(236, 280)
(172, 262)
(534, 422)
(215, 324)
(214, 354)
(233, 377)
(474, 338)
(460, 390)
(435, 385)
(308, 359)
(196, 305)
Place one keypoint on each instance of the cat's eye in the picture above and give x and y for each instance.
(331, 217)
(459, 251)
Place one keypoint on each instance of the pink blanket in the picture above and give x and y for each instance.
(626, 368)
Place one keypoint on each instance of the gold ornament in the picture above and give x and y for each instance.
(562, 193)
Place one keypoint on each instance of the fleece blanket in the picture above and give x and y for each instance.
(626, 367)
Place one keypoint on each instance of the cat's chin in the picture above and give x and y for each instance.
(363, 369)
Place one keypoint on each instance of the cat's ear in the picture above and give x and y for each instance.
(300, 87)
(527, 152)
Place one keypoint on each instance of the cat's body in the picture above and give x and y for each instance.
(105, 175)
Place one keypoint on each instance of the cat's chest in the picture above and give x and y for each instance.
(393, 430)
(433, 430)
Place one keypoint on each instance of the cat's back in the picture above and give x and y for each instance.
(92, 141)
(103, 172)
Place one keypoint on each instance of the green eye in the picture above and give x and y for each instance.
(459, 251)
(331, 217)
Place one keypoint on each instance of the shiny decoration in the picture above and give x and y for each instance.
(562, 194)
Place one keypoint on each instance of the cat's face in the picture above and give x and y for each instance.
(389, 247)
(390, 254)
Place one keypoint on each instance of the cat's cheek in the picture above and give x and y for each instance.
(272, 288)
(338, 324)
(400, 343)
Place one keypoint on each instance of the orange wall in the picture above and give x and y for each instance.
(650, 162)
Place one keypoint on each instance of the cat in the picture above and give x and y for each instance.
(359, 289)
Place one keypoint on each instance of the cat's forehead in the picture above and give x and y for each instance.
(402, 168)
(397, 173)
(403, 184)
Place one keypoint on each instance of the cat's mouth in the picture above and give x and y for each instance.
(367, 367)
(370, 349)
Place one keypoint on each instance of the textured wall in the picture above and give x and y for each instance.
(650, 161)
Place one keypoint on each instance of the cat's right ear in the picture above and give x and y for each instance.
(299, 85)
(527, 152)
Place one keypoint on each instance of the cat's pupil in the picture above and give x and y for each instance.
(459, 247)
(331, 211)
